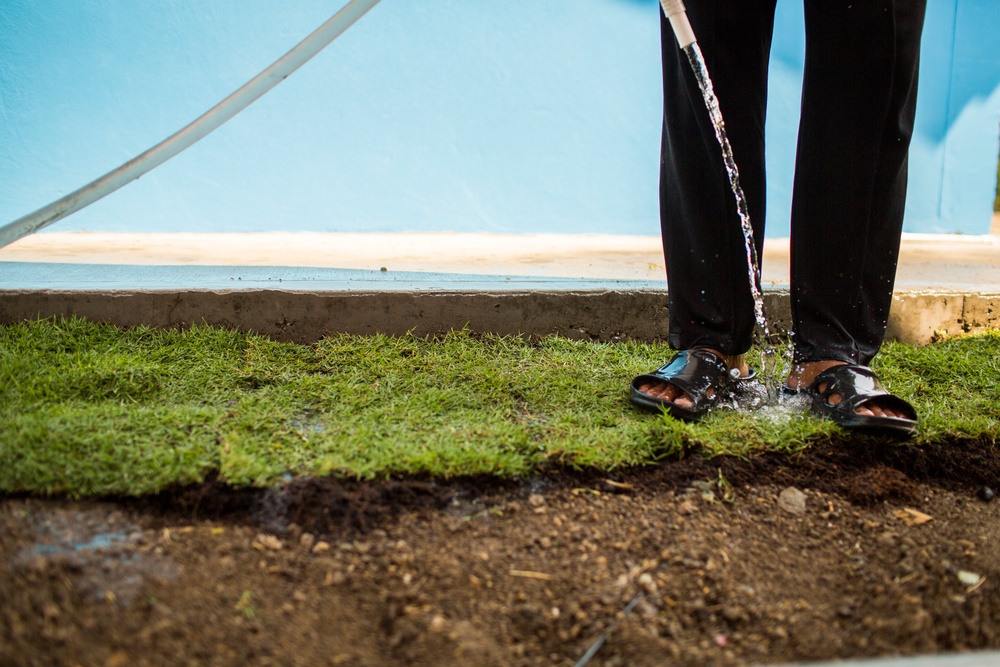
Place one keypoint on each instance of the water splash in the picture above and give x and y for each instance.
(766, 403)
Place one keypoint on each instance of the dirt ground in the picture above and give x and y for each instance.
(850, 549)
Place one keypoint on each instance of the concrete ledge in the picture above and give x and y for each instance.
(304, 317)
(977, 659)
(919, 318)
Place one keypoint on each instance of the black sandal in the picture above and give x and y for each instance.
(856, 385)
(698, 373)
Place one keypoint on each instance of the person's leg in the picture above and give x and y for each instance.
(858, 103)
(708, 289)
(710, 303)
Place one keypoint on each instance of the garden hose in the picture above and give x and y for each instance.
(198, 129)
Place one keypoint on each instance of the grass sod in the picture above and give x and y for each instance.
(89, 409)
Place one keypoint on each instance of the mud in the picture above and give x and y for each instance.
(890, 550)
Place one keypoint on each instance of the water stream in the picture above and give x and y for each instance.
(768, 365)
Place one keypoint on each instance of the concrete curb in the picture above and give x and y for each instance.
(597, 314)
(978, 659)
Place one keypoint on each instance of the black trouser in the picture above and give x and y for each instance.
(858, 103)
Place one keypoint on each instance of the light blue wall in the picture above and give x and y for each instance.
(459, 115)
(955, 147)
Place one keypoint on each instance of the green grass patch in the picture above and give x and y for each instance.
(91, 409)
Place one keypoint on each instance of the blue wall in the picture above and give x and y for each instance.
(450, 115)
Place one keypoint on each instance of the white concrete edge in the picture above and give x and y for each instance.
(976, 659)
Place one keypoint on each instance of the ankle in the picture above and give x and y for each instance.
(803, 374)
(737, 361)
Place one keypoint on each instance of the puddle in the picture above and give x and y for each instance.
(100, 551)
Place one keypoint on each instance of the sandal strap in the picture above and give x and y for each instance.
(693, 371)
(856, 385)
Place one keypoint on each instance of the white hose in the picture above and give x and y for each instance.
(674, 10)
(184, 138)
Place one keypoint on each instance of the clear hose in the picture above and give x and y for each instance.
(187, 136)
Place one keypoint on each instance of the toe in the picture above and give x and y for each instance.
(666, 392)
(875, 409)
(880, 411)
(682, 401)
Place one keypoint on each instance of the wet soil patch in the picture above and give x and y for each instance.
(847, 549)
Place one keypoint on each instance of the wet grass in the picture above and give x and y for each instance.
(89, 409)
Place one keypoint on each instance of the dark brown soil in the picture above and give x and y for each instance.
(895, 551)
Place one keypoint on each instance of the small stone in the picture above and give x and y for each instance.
(266, 542)
(647, 609)
(294, 531)
(307, 540)
(792, 501)
(920, 621)
(887, 539)
(321, 547)
(733, 614)
(968, 578)
(687, 507)
(334, 578)
(986, 494)
(536, 500)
